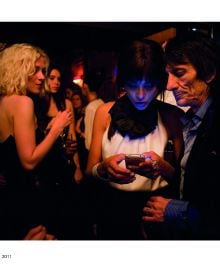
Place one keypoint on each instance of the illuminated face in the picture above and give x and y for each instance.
(77, 102)
(141, 93)
(187, 88)
(54, 81)
(36, 81)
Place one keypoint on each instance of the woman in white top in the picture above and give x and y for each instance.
(136, 123)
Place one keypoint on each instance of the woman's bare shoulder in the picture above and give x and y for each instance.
(102, 116)
(18, 101)
(17, 106)
(68, 104)
(104, 108)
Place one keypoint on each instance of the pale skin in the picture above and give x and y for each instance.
(188, 90)
(18, 119)
(140, 95)
(54, 86)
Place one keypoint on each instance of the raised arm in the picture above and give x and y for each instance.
(23, 117)
(72, 135)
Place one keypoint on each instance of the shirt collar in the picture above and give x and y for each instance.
(199, 115)
(203, 109)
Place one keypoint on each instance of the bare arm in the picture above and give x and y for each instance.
(71, 130)
(72, 135)
(99, 126)
(110, 166)
(29, 153)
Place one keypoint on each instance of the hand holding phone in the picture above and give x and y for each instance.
(133, 160)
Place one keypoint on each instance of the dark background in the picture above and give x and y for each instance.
(65, 38)
(100, 42)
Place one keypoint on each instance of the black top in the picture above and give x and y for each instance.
(19, 206)
(11, 166)
(128, 120)
(53, 171)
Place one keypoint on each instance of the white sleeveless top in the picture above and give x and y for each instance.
(155, 141)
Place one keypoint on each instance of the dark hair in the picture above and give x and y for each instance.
(78, 91)
(142, 59)
(59, 97)
(93, 78)
(200, 51)
(75, 88)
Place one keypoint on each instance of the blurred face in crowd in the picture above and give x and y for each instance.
(77, 102)
(187, 88)
(141, 93)
(36, 81)
(54, 81)
(69, 93)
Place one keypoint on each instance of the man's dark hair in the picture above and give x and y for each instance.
(200, 51)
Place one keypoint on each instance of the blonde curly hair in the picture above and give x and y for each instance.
(17, 65)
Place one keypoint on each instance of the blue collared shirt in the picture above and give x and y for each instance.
(190, 129)
(179, 209)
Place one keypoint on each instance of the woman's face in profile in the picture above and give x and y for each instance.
(141, 93)
(36, 81)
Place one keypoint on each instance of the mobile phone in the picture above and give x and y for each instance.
(134, 160)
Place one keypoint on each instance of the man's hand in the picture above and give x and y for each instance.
(155, 209)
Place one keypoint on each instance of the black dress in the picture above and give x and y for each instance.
(43, 196)
(65, 206)
(18, 211)
(53, 178)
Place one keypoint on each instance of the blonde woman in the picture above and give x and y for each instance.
(22, 70)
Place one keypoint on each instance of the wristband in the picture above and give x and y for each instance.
(96, 174)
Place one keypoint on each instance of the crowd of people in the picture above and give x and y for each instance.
(131, 167)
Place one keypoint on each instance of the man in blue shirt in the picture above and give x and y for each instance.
(193, 77)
